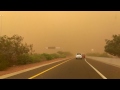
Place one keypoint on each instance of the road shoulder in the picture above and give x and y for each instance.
(15, 69)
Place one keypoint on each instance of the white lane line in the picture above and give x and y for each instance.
(118, 66)
(97, 71)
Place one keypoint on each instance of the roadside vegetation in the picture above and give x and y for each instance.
(113, 46)
(14, 52)
(95, 54)
(111, 49)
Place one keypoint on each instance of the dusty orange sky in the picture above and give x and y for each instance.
(74, 31)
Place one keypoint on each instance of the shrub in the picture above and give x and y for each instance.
(4, 64)
(37, 58)
(64, 54)
(113, 46)
(24, 59)
(14, 47)
(47, 56)
(55, 55)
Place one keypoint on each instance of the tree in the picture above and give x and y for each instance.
(12, 47)
(113, 46)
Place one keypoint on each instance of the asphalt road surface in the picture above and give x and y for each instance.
(72, 69)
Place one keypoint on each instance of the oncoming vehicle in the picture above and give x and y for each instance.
(78, 56)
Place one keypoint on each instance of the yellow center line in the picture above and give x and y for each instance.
(46, 70)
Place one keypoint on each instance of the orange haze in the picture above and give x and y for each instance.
(74, 31)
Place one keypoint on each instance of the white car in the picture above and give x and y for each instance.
(78, 56)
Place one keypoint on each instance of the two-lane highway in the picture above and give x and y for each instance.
(72, 69)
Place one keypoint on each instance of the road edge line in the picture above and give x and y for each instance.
(118, 66)
(96, 70)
